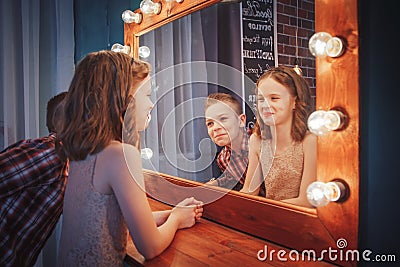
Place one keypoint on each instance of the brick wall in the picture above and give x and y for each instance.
(286, 30)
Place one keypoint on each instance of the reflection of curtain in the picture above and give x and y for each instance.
(36, 62)
(177, 127)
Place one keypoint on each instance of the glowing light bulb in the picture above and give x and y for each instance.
(296, 67)
(317, 43)
(149, 7)
(323, 44)
(334, 47)
(120, 48)
(321, 122)
(129, 16)
(320, 194)
(144, 52)
(146, 153)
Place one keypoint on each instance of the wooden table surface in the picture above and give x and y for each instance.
(210, 244)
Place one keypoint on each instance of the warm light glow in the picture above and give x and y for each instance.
(128, 17)
(298, 70)
(323, 44)
(321, 122)
(334, 47)
(146, 153)
(120, 48)
(317, 43)
(320, 194)
(149, 7)
(144, 52)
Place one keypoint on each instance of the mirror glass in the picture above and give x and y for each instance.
(223, 48)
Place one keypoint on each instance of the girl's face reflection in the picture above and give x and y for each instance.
(274, 103)
(143, 105)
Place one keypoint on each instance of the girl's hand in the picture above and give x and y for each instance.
(187, 212)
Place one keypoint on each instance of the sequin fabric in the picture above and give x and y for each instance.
(282, 173)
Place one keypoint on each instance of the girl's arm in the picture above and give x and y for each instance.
(309, 170)
(123, 173)
(254, 176)
(161, 217)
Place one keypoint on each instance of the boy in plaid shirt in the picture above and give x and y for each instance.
(32, 184)
(226, 127)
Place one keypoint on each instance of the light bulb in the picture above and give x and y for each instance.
(149, 7)
(129, 16)
(320, 194)
(334, 47)
(120, 48)
(323, 44)
(321, 122)
(317, 43)
(296, 67)
(146, 153)
(298, 70)
(144, 52)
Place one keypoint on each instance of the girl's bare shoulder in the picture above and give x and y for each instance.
(255, 141)
(310, 141)
(118, 153)
(310, 138)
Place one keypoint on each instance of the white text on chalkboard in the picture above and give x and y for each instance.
(260, 54)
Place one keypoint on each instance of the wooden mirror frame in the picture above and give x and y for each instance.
(337, 86)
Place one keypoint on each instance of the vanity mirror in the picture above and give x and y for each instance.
(177, 133)
(332, 226)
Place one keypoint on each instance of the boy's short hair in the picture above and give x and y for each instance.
(51, 117)
(226, 98)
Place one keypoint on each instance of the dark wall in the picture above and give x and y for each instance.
(380, 160)
(98, 24)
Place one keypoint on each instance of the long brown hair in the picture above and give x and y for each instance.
(298, 88)
(100, 92)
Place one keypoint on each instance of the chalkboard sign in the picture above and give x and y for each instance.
(259, 45)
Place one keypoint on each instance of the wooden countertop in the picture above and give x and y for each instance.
(210, 244)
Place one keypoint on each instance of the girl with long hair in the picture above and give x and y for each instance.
(282, 152)
(108, 103)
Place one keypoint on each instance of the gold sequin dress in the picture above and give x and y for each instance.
(282, 173)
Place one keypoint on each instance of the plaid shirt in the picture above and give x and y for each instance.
(233, 165)
(32, 185)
